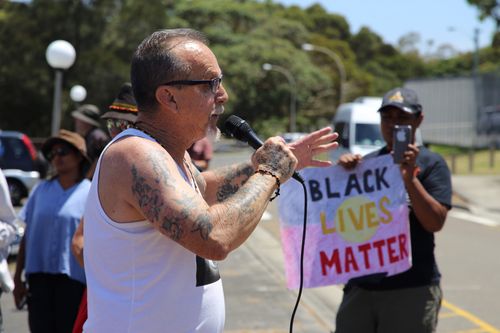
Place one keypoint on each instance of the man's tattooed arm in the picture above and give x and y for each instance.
(224, 182)
(181, 214)
(170, 217)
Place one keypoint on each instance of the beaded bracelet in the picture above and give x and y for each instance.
(278, 183)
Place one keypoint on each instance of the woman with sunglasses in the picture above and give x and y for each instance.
(55, 280)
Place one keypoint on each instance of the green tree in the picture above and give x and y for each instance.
(244, 35)
(489, 9)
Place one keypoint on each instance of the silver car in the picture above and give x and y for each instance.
(21, 164)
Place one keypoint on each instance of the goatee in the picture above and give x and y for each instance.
(213, 133)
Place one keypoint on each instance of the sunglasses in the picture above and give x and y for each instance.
(213, 83)
(117, 123)
(60, 151)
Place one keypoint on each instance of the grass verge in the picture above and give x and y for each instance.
(464, 161)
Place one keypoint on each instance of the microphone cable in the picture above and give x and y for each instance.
(301, 269)
(239, 129)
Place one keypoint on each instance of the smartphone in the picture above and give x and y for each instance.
(401, 140)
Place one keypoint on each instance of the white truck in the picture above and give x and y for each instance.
(460, 111)
(358, 125)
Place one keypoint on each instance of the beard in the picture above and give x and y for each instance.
(213, 133)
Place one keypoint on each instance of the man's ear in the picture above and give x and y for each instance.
(165, 98)
(420, 119)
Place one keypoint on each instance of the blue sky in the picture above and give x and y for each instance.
(392, 19)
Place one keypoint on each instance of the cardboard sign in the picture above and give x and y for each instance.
(357, 223)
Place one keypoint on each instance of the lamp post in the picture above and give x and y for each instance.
(293, 91)
(78, 93)
(60, 55)
(338, 62)
(475, 76)
(476, 52)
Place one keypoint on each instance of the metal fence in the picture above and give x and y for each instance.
(460, 111)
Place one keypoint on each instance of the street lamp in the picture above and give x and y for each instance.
(336, 59)
(78, 93)
(475, 72)
(293, 91)
(60, 55)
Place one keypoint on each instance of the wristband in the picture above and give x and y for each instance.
(278, 183)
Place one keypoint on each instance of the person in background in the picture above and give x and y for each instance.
(201, 153)
(7, 236)
(54, 280)
(121, 115)
(408, 302)
(86, 120)
(152, 220)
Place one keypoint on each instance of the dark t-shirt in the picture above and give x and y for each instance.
(435, 178)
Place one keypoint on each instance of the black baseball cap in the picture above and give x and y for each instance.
(402, 98)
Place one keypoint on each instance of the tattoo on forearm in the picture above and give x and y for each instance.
(203, 226)
(233, 178)
(246, 206)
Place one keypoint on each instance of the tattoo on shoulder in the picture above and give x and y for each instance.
(147, 196)
(171, 221)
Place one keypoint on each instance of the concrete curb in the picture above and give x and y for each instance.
(478, 196)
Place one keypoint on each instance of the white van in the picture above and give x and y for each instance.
(358, 125)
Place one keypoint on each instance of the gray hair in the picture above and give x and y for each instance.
(154, 63)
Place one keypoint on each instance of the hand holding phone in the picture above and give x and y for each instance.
(401, 140)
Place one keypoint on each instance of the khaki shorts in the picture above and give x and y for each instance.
(410, 310)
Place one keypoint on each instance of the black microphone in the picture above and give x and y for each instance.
(239, 129)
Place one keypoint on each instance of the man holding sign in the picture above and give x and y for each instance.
(409, 301)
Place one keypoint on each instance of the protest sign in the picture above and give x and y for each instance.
(357, 223)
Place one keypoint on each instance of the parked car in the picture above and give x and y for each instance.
(21, 164)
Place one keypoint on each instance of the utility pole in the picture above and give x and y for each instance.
(475, 68)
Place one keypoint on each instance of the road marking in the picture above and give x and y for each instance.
(484, 327)
(447, 315)
(472, 218)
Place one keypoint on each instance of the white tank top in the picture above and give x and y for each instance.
(139, 280)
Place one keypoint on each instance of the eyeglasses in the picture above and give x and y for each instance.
(117, 123)
(61, 151)
(214, 83)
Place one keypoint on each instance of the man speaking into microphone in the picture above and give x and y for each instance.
(153, 223)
